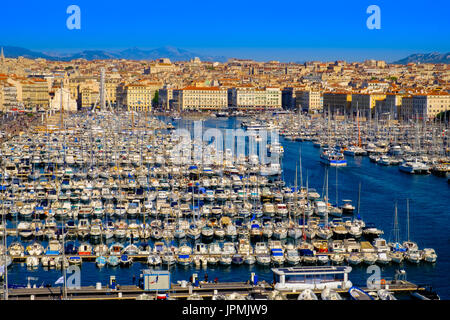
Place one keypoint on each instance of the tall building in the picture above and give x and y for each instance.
(248, 97)
(202, 98)
(337, 102)
(427, 106)
(33, 93)
(406, 109)
(138, 96)
(365, 103)
(390, 106)
(8, 97)
(2, 62)
(165, 96)
(288, 98)
(308, 100)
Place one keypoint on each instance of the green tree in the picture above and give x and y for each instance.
(155, 98)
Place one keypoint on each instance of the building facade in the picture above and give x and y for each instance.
(202, 98)
(337, 102)
(252, 98)
(308, 100)
(428, 106)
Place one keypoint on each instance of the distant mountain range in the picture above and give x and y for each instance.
(434, 57)
(174, 54)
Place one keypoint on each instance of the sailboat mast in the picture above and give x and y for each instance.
(336, 186)
(407, 215)
(396, 231)
(63, 260)
(61, 109)
(307, 199)
(301, 171)
(5, 239)
(357, 121)
(295, 194)
(326, 202)
(359, 196)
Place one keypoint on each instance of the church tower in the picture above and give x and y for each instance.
(2, 62)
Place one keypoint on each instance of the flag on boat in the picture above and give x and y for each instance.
(60, 280)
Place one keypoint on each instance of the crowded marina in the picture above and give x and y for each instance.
(107, 188)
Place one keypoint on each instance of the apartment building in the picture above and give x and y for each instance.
(337, 102)
(165, 96)
(308, 100)
(202, 98)
(248, 97)
(427, 106)
(34, 93)
(8, 97)
(365, 103)
(390, 106)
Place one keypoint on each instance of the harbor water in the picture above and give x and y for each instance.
(381, 187)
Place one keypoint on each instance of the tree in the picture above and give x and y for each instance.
(155, 98)
(443, 116)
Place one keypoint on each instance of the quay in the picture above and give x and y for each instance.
(177, 291)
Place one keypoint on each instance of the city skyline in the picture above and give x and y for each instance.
(297, 31)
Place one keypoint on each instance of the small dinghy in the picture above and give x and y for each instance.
(359, 294)
(307, 294)
(75, 260)
(100, 261)
(330, 294)
(125, 260)
(113, 261)
(386, 295)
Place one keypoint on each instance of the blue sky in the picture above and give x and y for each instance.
(285, 30)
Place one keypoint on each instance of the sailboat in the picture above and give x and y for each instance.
(397, 250)
(409, 245)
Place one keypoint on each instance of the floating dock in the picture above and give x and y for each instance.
(177, 291)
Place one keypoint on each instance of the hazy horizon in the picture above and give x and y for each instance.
(258, 54)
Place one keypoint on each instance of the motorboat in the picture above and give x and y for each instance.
(384, 294)
(354, 258)
(116, 249)
(429, 255)
(225, 259)
(113, 260)
(277, 256)
(53, 248)
(125, 260)
(307, 294)
(85, 249)
(35, 249)
(330, 294)
(333, 158)
(32, 262)
(75, 260)
(413, 256)
(370, 258)
(100, 261)
(359, 294)
(384, 258)
(292, 257)
(154, 260)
